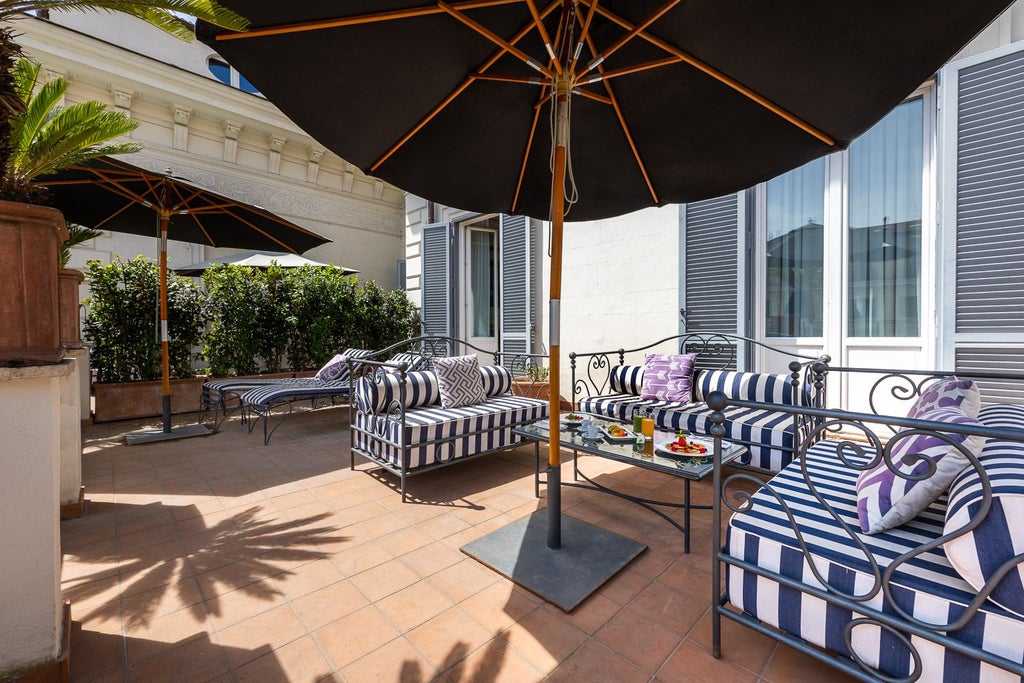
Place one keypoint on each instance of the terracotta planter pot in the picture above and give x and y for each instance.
(29, 238)
(126, 400)
(524, 386)
(67, 296)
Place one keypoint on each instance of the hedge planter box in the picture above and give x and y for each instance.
(128, 400)
(541, 388)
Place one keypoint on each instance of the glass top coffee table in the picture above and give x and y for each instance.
(633, 452)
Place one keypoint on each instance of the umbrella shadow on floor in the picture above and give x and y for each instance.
(199, 564)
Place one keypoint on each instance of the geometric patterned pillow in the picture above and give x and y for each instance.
(626, 379)
(668, 377)
(333, 369)
(459, 378)
(497, 380)
(886, 500)
(948, 392)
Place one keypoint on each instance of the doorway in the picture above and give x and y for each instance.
(480, 277)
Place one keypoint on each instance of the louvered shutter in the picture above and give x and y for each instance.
(710, 266)
(518, 239)
(990, 197)
(437, 279)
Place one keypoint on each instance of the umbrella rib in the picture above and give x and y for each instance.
(496, 39)
(625, 126)
(491, 61)
(584, 32)
(529, 147)
(542, 30)
(626, 70)
(631, 33)
(747, 92)
(592, 96)
(500, 78)
(356, 20)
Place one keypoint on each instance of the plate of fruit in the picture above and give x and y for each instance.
(573, 418)
(686, 446)
(617, 433)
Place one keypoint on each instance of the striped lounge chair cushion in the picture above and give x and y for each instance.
(434, 434)
(265, 397)
(927, 587)
(999, 537)
(227, 384)
(413, 360)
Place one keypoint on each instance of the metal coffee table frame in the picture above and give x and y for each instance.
(570, 438)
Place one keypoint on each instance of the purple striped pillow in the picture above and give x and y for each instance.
(668, 377)
(886, 500)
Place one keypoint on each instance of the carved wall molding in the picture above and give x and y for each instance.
(181, 118)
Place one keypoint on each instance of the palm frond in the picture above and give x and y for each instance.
(161, 13)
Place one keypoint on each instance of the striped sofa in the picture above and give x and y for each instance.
(398, 424)
(938, 598)
(769, 435)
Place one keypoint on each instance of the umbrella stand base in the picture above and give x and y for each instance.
(153, 435)
(589, 556)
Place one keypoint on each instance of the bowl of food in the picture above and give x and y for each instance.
(573, 418)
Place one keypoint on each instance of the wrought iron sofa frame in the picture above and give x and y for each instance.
(715, 351)
(733, 495)
(430, 346)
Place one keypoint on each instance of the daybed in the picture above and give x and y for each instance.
(410, 422)
(847, 554)
(603, 384)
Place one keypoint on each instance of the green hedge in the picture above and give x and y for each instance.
(247, 320)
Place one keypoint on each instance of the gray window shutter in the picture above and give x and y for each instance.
(518, 239)
(990, 197)
(710, 274)
(437, 279)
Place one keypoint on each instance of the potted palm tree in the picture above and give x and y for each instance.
(30, 234)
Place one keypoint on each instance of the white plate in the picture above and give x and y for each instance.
(628, 437)
(662, 446)
(568, 420)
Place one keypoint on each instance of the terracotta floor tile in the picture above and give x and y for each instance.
(545, 637)
(593, 613)
(384, 579)
(307, 578)
(151, 638)
(742, 646)
(321, 607)
(96, 655)
(638, 639)
(358, 559)
(238, 605)
(405, 541)
(495, 662)
(272, 629)
(347, 639)
(397, 661)
(787, 665)
(595, 662)
(432, 558)
(669, 608)
(196, 660)
(500, 605)
(299, 660)
(449, 637)
(412, 606)
(156, 602)
(88, 594)
(463, 579)
(691, 663)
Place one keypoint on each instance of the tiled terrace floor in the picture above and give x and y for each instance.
(217, 558)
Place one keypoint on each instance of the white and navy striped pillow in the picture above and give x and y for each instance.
(496, 379)
(999, 537)
(746, 386)
(626, 379)
(413, 360)
(375, 394)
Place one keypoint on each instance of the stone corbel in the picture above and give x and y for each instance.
(231, 131)
(276, 145)
(123, 100)
(313, 167)
(181, 118)
(378, 188)
(348, 178)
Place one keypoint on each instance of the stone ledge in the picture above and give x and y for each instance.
(61, 369)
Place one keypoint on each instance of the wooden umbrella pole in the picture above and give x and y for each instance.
(554, 475)
(165, 352)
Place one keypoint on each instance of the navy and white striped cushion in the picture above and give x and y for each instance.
(380, 392)
(413, 360)
(618, 406)
(928, 586)
(268, 395)
(434, 434)
(746, 386)
(496, 379)
(767, 434)
(228, 384)
(626, 379)
(1000, 535)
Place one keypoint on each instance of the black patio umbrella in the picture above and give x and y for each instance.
(604, 106)
(110, 194)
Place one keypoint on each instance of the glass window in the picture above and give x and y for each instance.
(886, 166)
(483, 282)
(220, 70)
(794, 254)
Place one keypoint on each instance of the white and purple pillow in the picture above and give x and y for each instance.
(886, 499)
(334, 369)
(668, 377)
(948, 392)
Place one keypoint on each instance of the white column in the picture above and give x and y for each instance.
(30, 441)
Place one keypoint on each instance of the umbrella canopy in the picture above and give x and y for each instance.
(257, 259)
(604, 106)
(110, 194)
